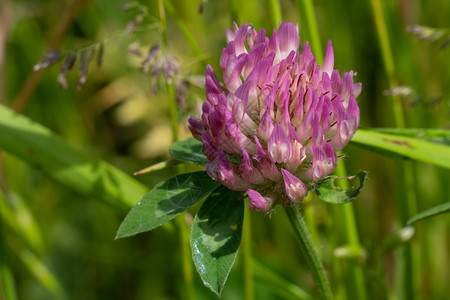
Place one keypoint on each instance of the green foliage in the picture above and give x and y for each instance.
(216, 236)
(167, 199)
(69, 152)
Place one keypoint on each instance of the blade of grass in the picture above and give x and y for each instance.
(404, 146)
(275, 13)
(277, 283)
(406, 208)
(431, 212)
(306, 12)
(21, 222)
(40, 271)
(78, 171)
(33, 263)
(7, 282)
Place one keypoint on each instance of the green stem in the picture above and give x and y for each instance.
(310, 251)
(406, 203)
(306, 10)
(172, 109)
(234, 15)
(185, 30)
(388, 60)
(347, 216)
(246, 255)
(275, 12)
(183, 233)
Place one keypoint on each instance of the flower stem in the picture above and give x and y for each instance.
(249, 293)
(309, 250)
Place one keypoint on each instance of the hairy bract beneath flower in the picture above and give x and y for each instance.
(274, 125)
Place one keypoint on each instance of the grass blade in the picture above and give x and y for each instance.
(410, 147)
(91, 177)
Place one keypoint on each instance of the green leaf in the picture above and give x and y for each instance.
(190, 150)
(216, 236)
(91, 177)
(409, 147)
(329, 191)
(434, 211)
(166, 201)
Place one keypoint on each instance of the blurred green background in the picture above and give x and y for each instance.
(58, 242)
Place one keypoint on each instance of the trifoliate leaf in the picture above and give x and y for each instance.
(216, 236)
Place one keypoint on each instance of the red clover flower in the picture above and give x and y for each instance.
(274, 127)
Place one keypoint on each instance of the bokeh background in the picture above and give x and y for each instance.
(60, 243)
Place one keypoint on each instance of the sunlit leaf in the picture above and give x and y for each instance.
(434, 135)
(166, 201)
(329, 190)
(190, 150)
(216, 236)
(434, 211)
(78, 171)
(408, 147)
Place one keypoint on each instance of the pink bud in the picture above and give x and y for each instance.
(258, 202)
(295, 188)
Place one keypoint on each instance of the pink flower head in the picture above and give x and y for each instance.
(275, 124)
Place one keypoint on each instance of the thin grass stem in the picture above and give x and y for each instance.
(234, 12)
(7, 282)
(306, 11)
(275, 13)
(346, 214)
(185, 30)
(188, 292)
(408, 208)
